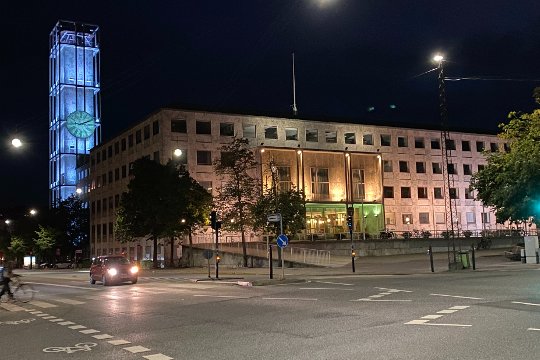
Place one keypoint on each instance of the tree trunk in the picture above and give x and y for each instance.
(154, 254)
(244, 248)
(190, 250)
(172, 251)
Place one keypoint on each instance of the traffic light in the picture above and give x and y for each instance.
(213, 219)
(353, 253)
(218, 258)
(349, 222)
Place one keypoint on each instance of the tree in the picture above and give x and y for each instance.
(510, 182)
(240, 190)
(45, 240)
(17, 248)
(74, 220)
(154, 204)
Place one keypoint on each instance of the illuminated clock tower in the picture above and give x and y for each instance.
(74, 107)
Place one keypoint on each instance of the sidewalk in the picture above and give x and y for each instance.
(381, 265)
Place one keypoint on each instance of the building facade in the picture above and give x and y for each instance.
(74, 106)
(392, 177)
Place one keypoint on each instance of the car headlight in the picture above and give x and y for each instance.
(134, 270)
(112, 272)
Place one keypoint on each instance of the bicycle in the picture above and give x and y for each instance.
(21, 292)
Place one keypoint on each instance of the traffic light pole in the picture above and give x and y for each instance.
(350, 214)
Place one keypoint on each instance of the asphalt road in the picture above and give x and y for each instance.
(463, 315)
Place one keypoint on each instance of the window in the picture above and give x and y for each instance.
(124, 172)
(367, 139)
(331, 137)
(452, 169)
(320, 184)
(284, 178)
(291, 134)
(116, 174)
(480, 146)
(207, 185)
(420, 167)
(104, 179)
(116, 148)
(204, 157)
(350, 138)
(203, 127)
(270, 132)
(485, 218)
(465, 145)
(98, 206)
(98, 157)
(156, 156)
(450, 144)
(423, 218)
(481, 167)
(494, 147)
(110, 177)
(123, 144)
(470, 217)
(419, 143)
(386, 140)
(358, 184)
(437, 193)
(405, 192)
(406, 219)
(436, 167)
(469, 194)
(422, 193)
(403, 166)
(179, 126)
(138, 137)
(312, 135)
(453, 193)
(155, 127)
(387, 166)
(388, 192)
(467, 169)
(435, 144)
(249, 131)
(104, 154)
(390, 218)
(226, 129)
(402, 141)
(146, 132)
(440, 218)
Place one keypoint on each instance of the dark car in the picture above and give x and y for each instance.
(113, 269)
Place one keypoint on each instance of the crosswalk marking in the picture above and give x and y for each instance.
(69, 301)
(102, 336)
(89, 331)
(64, 323)
(136, 349)
(77, 327)
(42, 304)
(119, 342)
(11, 307)
(157, 357)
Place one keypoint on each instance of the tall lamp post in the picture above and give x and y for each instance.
(446, 154)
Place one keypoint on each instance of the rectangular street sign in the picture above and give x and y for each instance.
(274, 217)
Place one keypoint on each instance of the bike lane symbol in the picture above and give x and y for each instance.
(71, 349)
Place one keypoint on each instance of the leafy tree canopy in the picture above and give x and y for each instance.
(510, 182)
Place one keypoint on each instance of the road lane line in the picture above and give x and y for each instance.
(525, 303)
(136, 349)
(77, 327)
(56, 320)
(157, 357)
(340, 289)
(119, 342)
(89, 331)
(455, 325)
(62, 285)
(69, 301)
(334, 283)
(64, 323)
(42, 304)
(431, 317)
(448, 311)
(458, 297)
(416, 322)
(392, 290)
(102, 336)
(222, 296)
(380, 300)
(284, 298)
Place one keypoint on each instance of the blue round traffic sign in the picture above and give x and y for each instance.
(282, 240)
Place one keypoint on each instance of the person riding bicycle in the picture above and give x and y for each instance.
(5, 278)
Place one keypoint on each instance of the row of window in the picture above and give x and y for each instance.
(436, 167)
(422, 193)
(439, 217)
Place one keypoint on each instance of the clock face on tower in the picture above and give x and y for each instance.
(80, 124)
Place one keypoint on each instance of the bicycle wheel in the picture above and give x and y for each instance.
(23, 293)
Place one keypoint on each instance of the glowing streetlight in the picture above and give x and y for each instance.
(33, 212)
(7, 221)
(438, 58)
(17, 143)
(78, 191)
(177, 152)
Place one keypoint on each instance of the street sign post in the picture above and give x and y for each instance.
(282, 241)
(274, 217)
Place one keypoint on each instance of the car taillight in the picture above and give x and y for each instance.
(134, 270)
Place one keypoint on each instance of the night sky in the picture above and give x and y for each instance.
(356, 60)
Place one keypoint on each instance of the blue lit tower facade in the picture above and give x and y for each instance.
(74, 106)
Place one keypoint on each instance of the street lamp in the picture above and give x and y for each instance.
(177, 152)
(17, 143)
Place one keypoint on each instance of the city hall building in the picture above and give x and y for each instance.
(392, 177)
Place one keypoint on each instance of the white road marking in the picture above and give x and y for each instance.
(533, 329)
(89, 331)
(300, 299)
(459, 307)
(392, 290)
(430, 317)
(77, 327)
(157, 357)
(64, 323)
(36, 312)
(42, 304)
(458, 297)
(334, 283)
(136, 349)
(525, 303)
(56, 320)
(69, 301)
(446, 311)
(455, 325)
(119, 342)
(12, 307)
(223, 296)
(61, 285)
(102, 336)
(416, 322)
(376, 296)
(43, 314)
(381, 300)
(49, 317)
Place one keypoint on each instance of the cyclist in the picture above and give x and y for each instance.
(5, 279)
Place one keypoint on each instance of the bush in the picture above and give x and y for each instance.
(426, 234)
(467, 233)
(407, 235)
(147, 264)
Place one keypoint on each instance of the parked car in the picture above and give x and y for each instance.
(46, 265)
(63, 265)
(515, 252)
(113, 269)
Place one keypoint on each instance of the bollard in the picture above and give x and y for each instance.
(473, 257)
(430, 252)
(523, 258)
(537, 257)
(270, 260)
